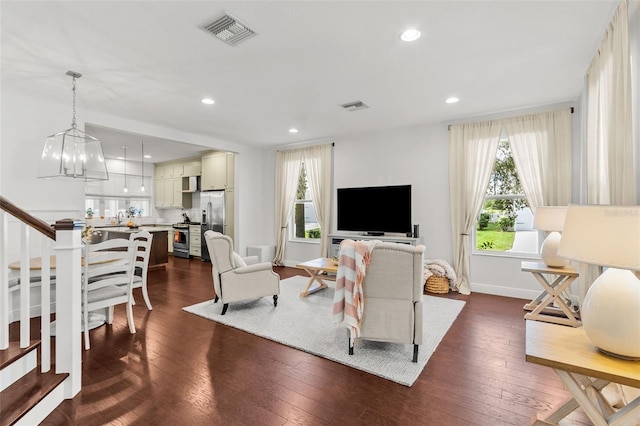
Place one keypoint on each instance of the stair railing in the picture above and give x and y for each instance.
(64, 240)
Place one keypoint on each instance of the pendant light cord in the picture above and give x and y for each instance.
(73, 120)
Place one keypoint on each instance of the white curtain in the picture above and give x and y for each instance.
(541, 147)
(472, 153)
(318, 164)
(610, 174)
(610, 155)
(287, 173)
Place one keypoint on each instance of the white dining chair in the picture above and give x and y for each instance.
(143, 251)
(107, 280)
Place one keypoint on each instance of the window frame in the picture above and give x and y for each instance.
(496, 253)
(307, 200)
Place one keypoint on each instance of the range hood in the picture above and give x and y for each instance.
(194, 185)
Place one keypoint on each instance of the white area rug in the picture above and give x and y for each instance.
(306, 324)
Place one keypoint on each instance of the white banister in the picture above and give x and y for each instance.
(4, 281)
(68, 251)
(25, 286)
(45, 305)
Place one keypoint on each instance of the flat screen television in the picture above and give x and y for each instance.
(375, 210)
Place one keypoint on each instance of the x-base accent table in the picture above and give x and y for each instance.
(542, 307)
(585, 371)
(316, 268)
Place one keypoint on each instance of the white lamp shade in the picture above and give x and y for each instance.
(602, 235)
(549, 218)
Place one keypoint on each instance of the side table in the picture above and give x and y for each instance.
(585, 371)
(549, 306)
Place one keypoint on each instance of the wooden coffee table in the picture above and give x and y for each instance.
(317, 270)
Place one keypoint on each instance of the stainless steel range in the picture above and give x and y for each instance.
(181, 240)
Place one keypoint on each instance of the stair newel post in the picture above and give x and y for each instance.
(68, 251)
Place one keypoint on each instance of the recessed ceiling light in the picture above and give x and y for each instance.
(208, 101)
(293, 130)
(147, 156)
(452, 100)
(410, 35)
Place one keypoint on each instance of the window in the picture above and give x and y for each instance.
(104, 207)
(303, 223)
(505, 221)
(107, 199)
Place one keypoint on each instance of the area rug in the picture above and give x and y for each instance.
(306, 324)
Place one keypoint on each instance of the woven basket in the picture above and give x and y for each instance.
(437, 285)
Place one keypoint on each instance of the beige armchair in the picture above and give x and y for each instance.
(233, 279)
(392, 290)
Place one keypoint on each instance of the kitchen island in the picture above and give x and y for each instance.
(159, 257)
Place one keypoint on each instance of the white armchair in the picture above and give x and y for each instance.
(233, 279)
(392, 290)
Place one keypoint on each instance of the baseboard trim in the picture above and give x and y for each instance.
(518, 293)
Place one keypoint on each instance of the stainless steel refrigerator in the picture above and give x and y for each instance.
(212, 205)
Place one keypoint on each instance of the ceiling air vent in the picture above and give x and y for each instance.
(229, 29)
(355, 106)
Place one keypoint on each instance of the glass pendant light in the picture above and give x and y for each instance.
(142, 168)
(73, 153)
(125, 169)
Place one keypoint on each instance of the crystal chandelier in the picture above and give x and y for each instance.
(73, 153)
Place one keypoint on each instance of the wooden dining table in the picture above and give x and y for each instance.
(96, 319)
(35, 263)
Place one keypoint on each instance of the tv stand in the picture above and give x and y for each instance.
(336, 239)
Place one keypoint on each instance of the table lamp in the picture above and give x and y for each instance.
(608, 236)
(551, 219)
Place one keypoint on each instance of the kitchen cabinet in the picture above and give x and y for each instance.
(218, 170)
(177, 170)
(195, 240)
(168, 193)
(168, 231)
(180, 168)
(229, 213)
(158, 256)
(163, 172)
(193, 168)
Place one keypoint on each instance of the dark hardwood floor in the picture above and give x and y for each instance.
(180, 369)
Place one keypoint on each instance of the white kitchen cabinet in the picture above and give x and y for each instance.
(229, 213)
(177, 170)
(168, 193)
(163, 172)
(195, 241)
(193, 168)
(230, 170)
(218, 171)
(158, 192)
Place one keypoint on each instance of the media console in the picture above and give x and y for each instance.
(336, 239)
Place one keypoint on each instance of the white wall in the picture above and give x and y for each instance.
(418, 156)
(27, 121)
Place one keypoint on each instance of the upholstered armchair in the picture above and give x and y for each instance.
(233, 279)
(392, 293)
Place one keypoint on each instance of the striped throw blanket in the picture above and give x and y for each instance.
(348, 298)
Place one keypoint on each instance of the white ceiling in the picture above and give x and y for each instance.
(150, 61)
